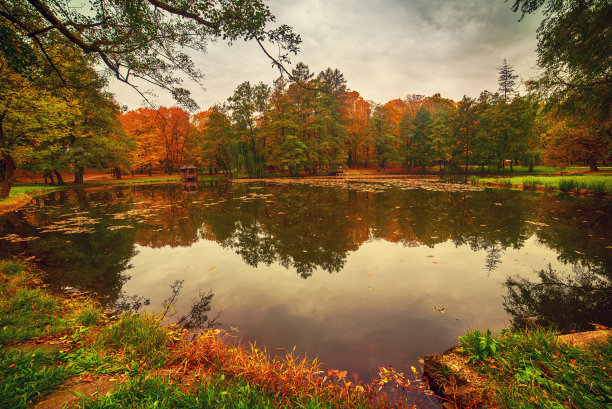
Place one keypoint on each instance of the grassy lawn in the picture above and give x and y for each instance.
(27, 189)
(543, 170)
(575, 183)
(534, 369)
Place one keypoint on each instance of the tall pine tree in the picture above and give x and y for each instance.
(507, 85)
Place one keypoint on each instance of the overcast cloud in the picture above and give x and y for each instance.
(386, 49)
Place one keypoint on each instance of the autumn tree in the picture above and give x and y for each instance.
(30, 117)
(140, 124)
(575, 55)
(355, 117)
(464, 124)
(413, 104)
(309, 111)
(442, 111)
(215, 139)
(174, 129)
(382, 137)
(421, 147)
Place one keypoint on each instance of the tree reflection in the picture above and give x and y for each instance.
(300, 227)
(568, 302)
(197, 315)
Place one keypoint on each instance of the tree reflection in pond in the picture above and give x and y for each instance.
(568, 302)
(102, 240)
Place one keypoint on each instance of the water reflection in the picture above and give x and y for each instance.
(346, 274)
(572, 301)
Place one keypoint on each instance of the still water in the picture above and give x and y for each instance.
(358, 277)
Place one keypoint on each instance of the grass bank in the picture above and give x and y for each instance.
(534, 368)
(53, 341)
(595, 184)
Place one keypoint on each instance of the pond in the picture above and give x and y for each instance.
(359, 276)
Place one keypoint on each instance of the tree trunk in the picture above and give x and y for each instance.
(592, 163)
(530, 166)
(60, 180)
(9, 175)
(150, 169)
(49, 176)
(117, 172)
(78, 175)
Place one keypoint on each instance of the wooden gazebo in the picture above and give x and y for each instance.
(189, 172)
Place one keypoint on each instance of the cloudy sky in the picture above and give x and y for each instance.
(386, 49)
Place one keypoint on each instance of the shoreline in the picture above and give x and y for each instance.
(98, 356)
(21, 199)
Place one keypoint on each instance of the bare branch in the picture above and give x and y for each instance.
(183, 13)
(283, 69)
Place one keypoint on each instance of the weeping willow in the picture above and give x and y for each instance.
(245, 160)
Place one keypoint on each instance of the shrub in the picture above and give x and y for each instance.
(479, 346)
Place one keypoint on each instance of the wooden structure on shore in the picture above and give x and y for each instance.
(189, 173)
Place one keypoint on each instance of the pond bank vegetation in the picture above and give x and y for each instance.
(529, 368)
(579, 184)
(52, 342)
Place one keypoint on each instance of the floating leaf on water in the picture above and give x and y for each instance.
(120, 227)
(536, 223)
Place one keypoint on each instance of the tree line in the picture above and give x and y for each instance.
(313, 124)
(55, 115)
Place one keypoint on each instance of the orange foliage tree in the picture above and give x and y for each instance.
(161, 135)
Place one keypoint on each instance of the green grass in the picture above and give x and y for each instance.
(88, 316)
(543, 170)
(25, 376)
(139, 336)
(29, 313)
(28, 188)
(217, 392)
(135, 346)
(12, 267)
(533, 369)
(600, 184)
